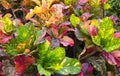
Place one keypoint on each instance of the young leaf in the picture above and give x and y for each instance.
(42, 71)
(74, 20)
(70, 66)
(54, 58)
(42, 51)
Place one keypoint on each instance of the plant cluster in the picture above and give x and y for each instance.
(58, 37)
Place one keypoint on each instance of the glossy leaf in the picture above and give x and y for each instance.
(105, 36)
(74, 20)
(70, 66)
(54, 58)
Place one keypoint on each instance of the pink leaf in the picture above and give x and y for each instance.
(114, 19)
(116, 54)
(82, 1)
(116, 35)
(4, 38)
(85, 16)
(92, 30)
(67, 41)
(110, 58)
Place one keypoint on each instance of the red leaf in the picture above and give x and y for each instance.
(21, 63)
(67, 41)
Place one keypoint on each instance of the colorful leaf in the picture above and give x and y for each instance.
(22, 62)
(74, 20)
(70, 66)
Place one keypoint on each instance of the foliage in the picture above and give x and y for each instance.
(59, 37)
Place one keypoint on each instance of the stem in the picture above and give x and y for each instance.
(88, 55)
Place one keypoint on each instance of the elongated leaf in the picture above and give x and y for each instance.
(42, 51)
(70, 66)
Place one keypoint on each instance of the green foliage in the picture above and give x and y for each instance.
(70, 66)
(6, 26)
(105, 36)
(74, 20)
(24, 40)
(115, 8)
(50, 61)
(107, 6)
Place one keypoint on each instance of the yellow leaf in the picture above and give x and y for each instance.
(37, 9)
(29, 15)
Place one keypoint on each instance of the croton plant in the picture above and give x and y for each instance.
(58, 38)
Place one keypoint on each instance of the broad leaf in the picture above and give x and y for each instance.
(70, 66)
(105, 36)
(54, 58)
(42, 71)
(74, 20)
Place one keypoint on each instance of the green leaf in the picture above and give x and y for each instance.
(7, 24)
(105, 36)
(106, 6)
(42, 71)
(112, 45)
(25, 32)
(54, 58)
(74, 20)
(24, 40)
(70, 66)
(43, 49)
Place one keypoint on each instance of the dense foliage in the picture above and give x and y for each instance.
(59, 37)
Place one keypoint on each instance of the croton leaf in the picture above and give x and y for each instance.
(24, 38)
(99, 65)
(4, 38)
(54, 58)
(74, 20)
(39, 36)
(6, 26)
(70, 66)
(43, 49)
(67, 41)
(105, 36)
(42, 71)
(22, 62)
